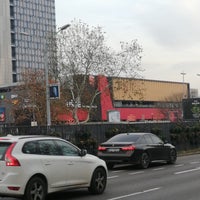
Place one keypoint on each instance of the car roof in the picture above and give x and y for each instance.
(135, 133)
(131, 136)
(14, 138)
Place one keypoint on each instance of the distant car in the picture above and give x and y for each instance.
(33, 166)
(136, 148)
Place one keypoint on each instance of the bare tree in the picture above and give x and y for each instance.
(30, 100)
(82, 52)
(28, 104)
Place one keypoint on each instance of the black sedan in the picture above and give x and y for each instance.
(136, 148)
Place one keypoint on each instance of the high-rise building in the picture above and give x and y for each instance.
(24, 29)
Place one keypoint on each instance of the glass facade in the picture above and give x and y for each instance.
(31, 21)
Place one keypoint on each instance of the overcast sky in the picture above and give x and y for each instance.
(167, 30)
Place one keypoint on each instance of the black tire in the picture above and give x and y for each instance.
(36, 189)
(172, 156)
(110, 165)
(144, 160)
(98, 182)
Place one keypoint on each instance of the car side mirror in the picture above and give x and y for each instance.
(83, 152)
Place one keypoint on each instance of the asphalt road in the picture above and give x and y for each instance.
(159, 182)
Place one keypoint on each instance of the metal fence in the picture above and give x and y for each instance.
(91, 134)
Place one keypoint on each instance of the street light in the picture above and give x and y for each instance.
(48, 108)
(183, 74)
(198, 74)
(63, 27)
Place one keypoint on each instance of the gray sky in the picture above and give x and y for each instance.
(167, 30)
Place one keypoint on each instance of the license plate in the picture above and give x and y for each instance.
(113, 150)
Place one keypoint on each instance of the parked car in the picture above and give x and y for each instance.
(136, 148)
(33, 166)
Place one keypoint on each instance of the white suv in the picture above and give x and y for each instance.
(34, 166)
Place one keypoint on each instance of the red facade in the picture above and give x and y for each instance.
(131, 114)
(126, 113)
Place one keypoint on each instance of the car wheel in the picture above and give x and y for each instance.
(98, 182)
(144, 160)
(36, 189)
(110, 165)
(172, 156)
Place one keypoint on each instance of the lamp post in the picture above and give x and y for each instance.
(183, 74)
(48, 108)
(199, 76)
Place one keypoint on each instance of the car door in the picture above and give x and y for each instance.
(53, 163)
(78, 168)
(150, 147)
(160, 150)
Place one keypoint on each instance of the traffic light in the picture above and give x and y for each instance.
(54, 91)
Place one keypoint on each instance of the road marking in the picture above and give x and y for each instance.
(180, 165)
(157, 169)
(134, 194)
(111, 177)
(195, 162)
(134, 173)
(118, 171)
(187, 171)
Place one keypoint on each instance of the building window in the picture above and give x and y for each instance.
(12, 24)
(14, 67)
(13, 52)
(11, 11)
(12, 38)
(14, 78)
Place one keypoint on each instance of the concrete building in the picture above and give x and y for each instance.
(194, 93)
(24, 28)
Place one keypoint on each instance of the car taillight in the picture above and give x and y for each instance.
(9, 158)
(100, 148)
(13, 188)
(128, 148)
(4, 139)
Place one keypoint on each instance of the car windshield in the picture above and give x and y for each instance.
(3, 147)
(124, 138)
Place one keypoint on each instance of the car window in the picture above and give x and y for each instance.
(67, 149)
(148, 139)
(30, 148)
(156, 140)
(48, 147)
(3, 147)
(142, 141)
(124, 138)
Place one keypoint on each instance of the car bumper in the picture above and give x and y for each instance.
(120, 159)
(9, 185)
